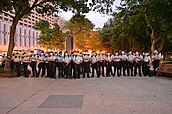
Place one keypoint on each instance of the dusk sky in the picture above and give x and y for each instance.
(97, 19)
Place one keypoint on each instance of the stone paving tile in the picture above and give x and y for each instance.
(113, 95)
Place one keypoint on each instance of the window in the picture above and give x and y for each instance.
(33, 38)
(24, 37)
(20, 37)
(5, 37)
(29, 38)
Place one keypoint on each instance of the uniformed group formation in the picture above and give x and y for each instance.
(77, 65)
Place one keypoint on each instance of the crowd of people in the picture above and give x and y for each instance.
(85, 64)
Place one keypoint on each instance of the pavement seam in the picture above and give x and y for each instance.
(30, 97)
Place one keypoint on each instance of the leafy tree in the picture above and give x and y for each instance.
(140, 25)
(52, 38)
(22, 8)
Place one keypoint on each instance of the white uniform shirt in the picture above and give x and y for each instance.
(124, 57)
(78, 59)
(94, 59)
(17, 59)
(26, 59)
(109, 58)
(67, 59)
(60, 58)
(41, 58)
(116, 58)
(131, 57)
(51, 58)
(146, 58)
(86, 58)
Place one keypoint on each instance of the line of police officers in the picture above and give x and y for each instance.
(85, 64)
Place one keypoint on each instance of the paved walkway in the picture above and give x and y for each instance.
(114, 95)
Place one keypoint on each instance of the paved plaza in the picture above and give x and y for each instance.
(112, 95)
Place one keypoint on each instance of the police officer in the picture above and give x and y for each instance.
(52, 65)
(17, 60)
(116, 59)
(94, 65)
(25, 61)
(33, 64)
(156, 58)
(60, 65)
(138, 60)
(77, 66)
(41, 65)
(130, 62)
(124, 63)
(47, 66)
(146, 61)
(108, 65)
(67, 60)
(86, 64)
(101, 58)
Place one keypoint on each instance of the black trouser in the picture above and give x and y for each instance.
(117, 67)
(52, 69)
(86, 69)
(33, 66)
(41, 66)
(60, 69)
(155, 64)
(125, 67)
(72, 69)
(25, 66)
(48, 69)
(137, 66)
(101, 67)
(145, 68)
(77, 71)
(18, 68)
(95, 67)
(67, 70)
(108, 68)
(131, 67)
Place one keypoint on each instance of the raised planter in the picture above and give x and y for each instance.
(165, 69)
(7, 74)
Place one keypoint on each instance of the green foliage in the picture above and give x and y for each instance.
(81, 29)
(138, 23)
(52, 38)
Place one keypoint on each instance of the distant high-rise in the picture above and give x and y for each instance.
(26, 36)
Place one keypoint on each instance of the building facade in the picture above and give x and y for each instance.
(26, 36)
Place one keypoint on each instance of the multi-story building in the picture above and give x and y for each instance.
(26, 36)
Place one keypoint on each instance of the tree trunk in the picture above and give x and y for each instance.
(11, 42)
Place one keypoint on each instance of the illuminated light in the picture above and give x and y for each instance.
(97, 52)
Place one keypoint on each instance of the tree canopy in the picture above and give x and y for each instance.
(140, 25)
(50, 38)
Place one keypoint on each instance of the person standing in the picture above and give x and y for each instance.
(77, 66)
(66, 61)
(33, 64)
(94, 65)
(138, 60)
(86, 60)
(101, 58)
(25, 61)
(146, 61)
(60, 65)
(124, 63)
(116, 59)
(156, 58)
(41, 65)
(130, 63)
(52, 66)
(17, 60)
(108, 65)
